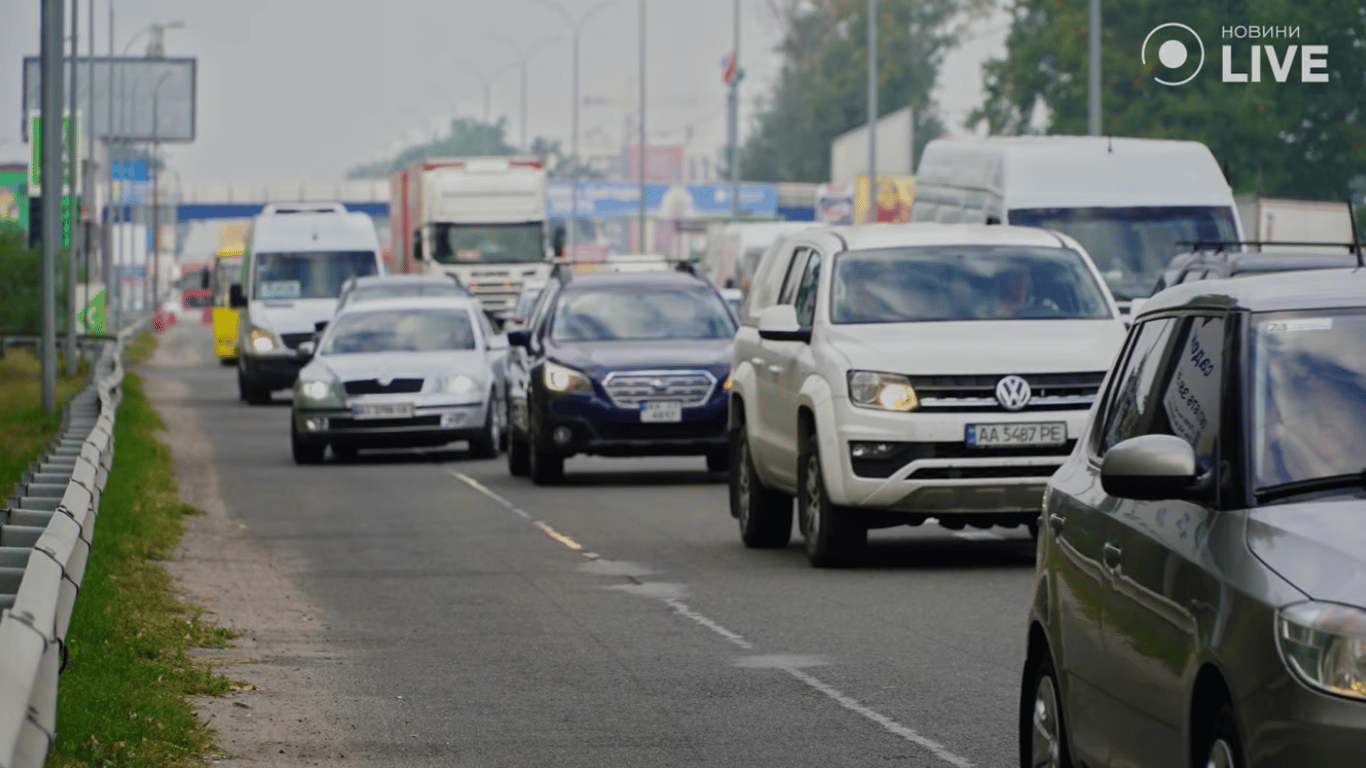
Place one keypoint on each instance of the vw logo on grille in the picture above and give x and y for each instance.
(659, 385)
(1012, 392)
(386, 380)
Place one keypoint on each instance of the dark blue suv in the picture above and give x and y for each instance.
(620, 364)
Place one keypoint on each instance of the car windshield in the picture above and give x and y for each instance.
(1309, 396)
(489, 243)
(527, 301)
(309, 274)
(404, 290)
(400, 330)
(1131, 246)
(641, 314)
(944, 283)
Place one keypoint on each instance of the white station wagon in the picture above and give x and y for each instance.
(890, 374)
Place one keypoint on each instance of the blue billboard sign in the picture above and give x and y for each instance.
(612, 199)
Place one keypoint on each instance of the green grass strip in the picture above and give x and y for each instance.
(25, 431)
(124, 697)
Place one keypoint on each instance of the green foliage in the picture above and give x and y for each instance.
(21, 310)
(1288, 139)
(468, 138)
(25, 431)
(558, 162)
(123, 699)
(822, 91)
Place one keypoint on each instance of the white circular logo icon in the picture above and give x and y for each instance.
(1175, 51)
(1013, 393)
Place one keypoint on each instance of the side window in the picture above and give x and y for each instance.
(1190, 394)
(1131, 399)
(541, 314)
(806, 291)
(794, 272)
(763, 291)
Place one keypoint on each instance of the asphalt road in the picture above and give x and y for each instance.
(616, 620)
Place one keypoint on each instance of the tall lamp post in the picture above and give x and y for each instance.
(640, 169)
(156, 199)
(523, 56)
(575, 27)
(872, 111)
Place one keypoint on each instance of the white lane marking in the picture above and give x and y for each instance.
(683, 609)
(887, 723)
(781, 661)
(979, 536)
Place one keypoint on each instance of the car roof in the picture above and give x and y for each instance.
(406, 279)
(413, 302)
(872, 236)
(1272, 292)
(662, 277)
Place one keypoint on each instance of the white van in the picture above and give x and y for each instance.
(1131, 203)
(734, 250)
(298, 255)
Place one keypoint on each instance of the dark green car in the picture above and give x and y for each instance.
(1200, 594)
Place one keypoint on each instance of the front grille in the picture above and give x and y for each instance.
(496, 295)
(971, 473)
(1048, 392)
(373, 387)
(293, 340)
(908, 452)
(683, 430)
(630, 389)
(362, 424)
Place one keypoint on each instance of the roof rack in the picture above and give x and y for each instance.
(272, 209)
(1223, 245)
(563, 271)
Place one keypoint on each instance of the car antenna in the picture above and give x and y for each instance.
(1356, 235)
(1109, 143)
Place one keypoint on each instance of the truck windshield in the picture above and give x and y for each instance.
(308, 274)
(489, 243)
(1131, 246)
(227, 270)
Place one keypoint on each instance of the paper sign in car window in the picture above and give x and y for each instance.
(1192, 396)
(1295, 326)
(469, 254)
(281, 289)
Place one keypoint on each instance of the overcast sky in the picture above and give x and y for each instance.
(304, 89)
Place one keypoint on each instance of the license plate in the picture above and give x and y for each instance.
(383, 411)
(654, 411)
(994, 435)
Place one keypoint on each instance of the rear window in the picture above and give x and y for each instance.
(641, 314)
(308, 274)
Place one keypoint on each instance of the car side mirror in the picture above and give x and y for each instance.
(779, 323)
(1150, 468)
(235, 298)
(498, 342)
(204, 279)
(319, 326)
(305, 350)
(519, 338)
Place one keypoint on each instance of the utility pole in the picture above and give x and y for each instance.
(113, 294)
(640, 170)
(1093, 72)
(72, 223)
(87, 180)
(53, 27)
(734, 127)
(156, 199)
(872, 111)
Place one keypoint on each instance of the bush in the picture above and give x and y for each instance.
(21, 274)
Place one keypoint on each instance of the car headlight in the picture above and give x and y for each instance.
(263, 340)
(888, 391)
(455, 385)
(558, 378)
(318, 392)
(1325, 645)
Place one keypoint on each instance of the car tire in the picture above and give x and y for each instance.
(485, 446)
(1043, 728)
(718, 460)
(227, 361)
(832, 538)
(546, 467)
(1221, 746)
(765, 515)
(250, 391)
(519, 456)
(306, 450)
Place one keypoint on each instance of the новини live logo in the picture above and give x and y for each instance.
(1173, 44)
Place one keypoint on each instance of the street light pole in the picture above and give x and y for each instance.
(156, 200)
(872, 111)
(113, 295)
(51, 170)
(524, 56)
(1093, 72)
(73, 213)
(735, 123)
(640, 169)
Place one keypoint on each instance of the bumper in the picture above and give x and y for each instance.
(1288, 724)
(430, 425)
(597, 426)
(272, 371)
(931, 470)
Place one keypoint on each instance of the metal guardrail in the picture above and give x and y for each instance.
(45, 537)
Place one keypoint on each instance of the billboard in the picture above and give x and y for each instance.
(895, 194)
(14, 198)
(139, 85)
(895, 149)
(621, 199)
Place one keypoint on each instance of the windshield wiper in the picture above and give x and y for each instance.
(1312, 485)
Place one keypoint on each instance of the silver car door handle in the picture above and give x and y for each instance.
(757, 360)
(775, 369)
(1056, 522)
(1111, 555)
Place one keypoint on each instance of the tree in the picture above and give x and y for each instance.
(822, 90)
(558, 163)
(468, 138)
(1290, 139)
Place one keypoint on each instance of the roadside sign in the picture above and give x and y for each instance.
(71, 157)
(14, 198)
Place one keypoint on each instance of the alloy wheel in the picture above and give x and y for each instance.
(743, 480)
(811, 510)
(1220, 755)
(1046, 745)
